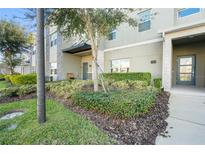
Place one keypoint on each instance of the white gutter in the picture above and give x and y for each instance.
(135, 44)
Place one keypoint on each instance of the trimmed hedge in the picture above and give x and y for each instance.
(157, 83)
(21, 79)
(141, 76)
(17, 91)
(127, 84)
(118, 104)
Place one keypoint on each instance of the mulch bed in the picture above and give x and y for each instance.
(141, 130)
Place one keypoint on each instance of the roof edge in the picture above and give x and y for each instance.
(183, 27)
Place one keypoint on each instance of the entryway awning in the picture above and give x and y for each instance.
(76, 48)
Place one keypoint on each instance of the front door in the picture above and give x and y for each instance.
(186, 70)
(85, 71)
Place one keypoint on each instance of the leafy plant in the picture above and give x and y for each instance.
(17, 91)
(21, 79)
(141, 76)
(119, 104)
(157, 83)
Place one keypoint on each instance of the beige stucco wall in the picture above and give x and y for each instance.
(53, 54)
(162, 18)
(71, 64)
(197, 49)
(140, 58)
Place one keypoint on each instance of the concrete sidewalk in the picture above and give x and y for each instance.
(186, 123)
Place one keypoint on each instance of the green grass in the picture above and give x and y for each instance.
(62, 126)
(3, 84)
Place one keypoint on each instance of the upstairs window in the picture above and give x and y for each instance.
(112, 35)
(53, 39)
(120, 65)
(144, 20)
(187, 12)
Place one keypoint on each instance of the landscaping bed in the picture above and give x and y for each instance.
(132, 112)
(139, 130)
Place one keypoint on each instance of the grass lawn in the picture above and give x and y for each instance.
(3, 84)
(62, 126)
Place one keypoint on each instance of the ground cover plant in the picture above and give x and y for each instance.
(62, 126)
(118, 104)
(141, 76)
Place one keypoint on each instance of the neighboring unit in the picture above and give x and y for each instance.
(169, 43)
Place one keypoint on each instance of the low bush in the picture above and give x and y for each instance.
(21, 79)
(17, 91)
(65, 89)
(157, 83)
(118, 104)
(2, 77)
(141, 76)
(127, 84)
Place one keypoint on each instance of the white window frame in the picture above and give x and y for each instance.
(53, 40)
(144, 21)
(178, 17)
(113, 31)
(111, 68)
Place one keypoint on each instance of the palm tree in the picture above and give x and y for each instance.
(41, 106)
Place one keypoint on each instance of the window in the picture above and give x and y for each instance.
(144, 20)
(53, 71)
(187, 11)
(120, 65)
(112, 35)
(53, 39)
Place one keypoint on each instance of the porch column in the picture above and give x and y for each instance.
(167, 64)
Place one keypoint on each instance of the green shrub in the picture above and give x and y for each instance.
(141, 76)
(157, 83)
(2, 77)
(65, 89)
(17, 91)
(118, 104)
(7, 78)
(22, 79)
(127, 84)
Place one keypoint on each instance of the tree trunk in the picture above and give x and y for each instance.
(41, 106)
(94, 52)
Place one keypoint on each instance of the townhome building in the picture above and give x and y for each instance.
(168, 43)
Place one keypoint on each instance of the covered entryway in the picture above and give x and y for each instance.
(78, 61)
(188, 64)
(184, 56)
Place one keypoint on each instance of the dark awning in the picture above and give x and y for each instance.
(76, 48)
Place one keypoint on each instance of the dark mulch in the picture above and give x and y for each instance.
(140, 130)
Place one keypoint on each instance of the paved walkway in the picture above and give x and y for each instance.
(186, 123)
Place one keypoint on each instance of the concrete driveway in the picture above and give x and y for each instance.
(186, 123)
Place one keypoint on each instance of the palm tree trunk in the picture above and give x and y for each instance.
(41, 106)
